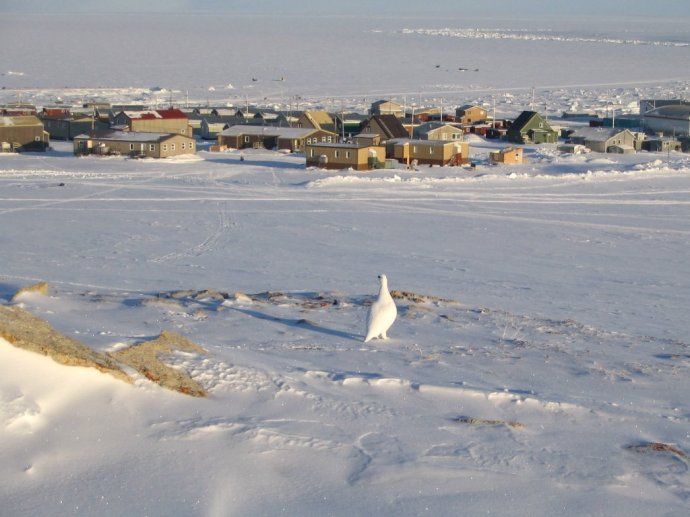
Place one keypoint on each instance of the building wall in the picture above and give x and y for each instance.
(532, 130)
(270, 140)
(179, 126)
(174, 146)
(512, 156)
(387, 108)
(445, 133)
(427, 154)
(471, 115)
(29, 138)
(668, 127)
(340, 157)
(624, 138)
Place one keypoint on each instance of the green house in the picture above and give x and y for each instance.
(531, 128)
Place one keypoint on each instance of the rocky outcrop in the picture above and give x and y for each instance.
(40, 288)
(24, 330)
(146, 359)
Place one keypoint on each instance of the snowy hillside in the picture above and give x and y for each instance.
(538, 365)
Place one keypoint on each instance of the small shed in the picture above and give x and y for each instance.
(507, 156)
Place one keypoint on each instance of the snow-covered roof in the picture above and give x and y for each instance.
(344, 145)
(21, 120)
(597, 134)
(131, 136)
(272, 131)
(156, 114)
(416, 141)
(679, 111)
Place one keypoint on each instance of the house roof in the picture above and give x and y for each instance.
(466, 107)
(431, 126)
(523, 120)
(321, 118)
(391, 126)
(428, 143)
(673, 111)
(20, 120)
(344, 145)
(597, 134)
(131, 136)
(268, 131)
(171, 113)
(384, 102)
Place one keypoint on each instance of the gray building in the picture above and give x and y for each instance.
(669, 120)
(604, 140)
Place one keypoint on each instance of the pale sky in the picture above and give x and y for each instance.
(502, 8)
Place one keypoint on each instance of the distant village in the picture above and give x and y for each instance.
(388, 136)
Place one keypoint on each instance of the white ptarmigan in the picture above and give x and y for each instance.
(382, 313)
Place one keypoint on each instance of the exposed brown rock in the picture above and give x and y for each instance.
(658, 447)
(487, 422)
(145, 358)
(40, 288)
(26, 331)
(419, 298)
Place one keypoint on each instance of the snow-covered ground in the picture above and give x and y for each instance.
(546, 371)
(555, 354)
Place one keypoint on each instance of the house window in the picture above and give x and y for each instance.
(323, 139)
(172, 147)
(431, 150)
(182, 146)
(311, 153)
(347, 154)
(152, 147)
(337, 154)
(246, 139)
(330, 139)
(414, 148)
(165, 147)
(541, 125)
(131, 147)
(191, 146)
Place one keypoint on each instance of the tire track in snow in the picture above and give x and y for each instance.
(208, 245)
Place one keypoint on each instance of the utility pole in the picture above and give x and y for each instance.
(532, 107)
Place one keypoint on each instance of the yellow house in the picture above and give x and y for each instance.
(429, 152)
(438, 131)
(360, 157)
(469, 114)
(316, 120)
(159, 121)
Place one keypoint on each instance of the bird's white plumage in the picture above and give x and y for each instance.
(382, 313)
